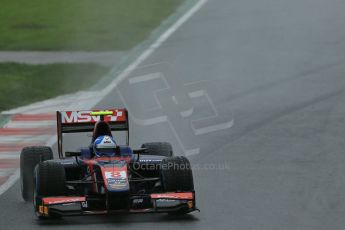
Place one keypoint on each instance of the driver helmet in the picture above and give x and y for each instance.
(104, 146)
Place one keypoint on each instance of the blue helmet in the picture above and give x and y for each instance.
(104, 146)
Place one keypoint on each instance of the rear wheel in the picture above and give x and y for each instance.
(29, 158)
(158, 149)
(50, 180)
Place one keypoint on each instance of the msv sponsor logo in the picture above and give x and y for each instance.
(85, 117)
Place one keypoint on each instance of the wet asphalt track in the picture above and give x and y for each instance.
(273, 68)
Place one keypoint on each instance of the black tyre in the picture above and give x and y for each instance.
(29, 158)
(158, 149)
(176, 175)
(50, 180)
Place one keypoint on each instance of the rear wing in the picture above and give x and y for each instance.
(85, 120)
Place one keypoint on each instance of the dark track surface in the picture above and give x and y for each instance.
(277, 69)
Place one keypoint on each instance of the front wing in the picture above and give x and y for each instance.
(153, 203)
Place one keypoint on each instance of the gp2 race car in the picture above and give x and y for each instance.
(104, 177)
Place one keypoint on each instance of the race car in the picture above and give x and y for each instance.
(104, 177)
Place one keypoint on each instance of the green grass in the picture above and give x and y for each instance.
(23, 84)
(79, 24)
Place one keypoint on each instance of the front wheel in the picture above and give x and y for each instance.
(50, 181)
(177, 176)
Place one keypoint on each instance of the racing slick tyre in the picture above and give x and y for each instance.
(50, 180)
(29, 158)
(176, 175)
(158, 149)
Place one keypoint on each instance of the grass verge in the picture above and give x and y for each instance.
(22, 84)
(80, 24)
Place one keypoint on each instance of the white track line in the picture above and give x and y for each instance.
(30, 124)
(6, 172)
(144, 78)
(24, 139)
(8, 184)
(123, 75)
(9, 156)
(154, 46)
